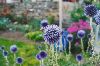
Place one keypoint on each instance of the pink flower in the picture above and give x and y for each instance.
(75, 24)
(72, 29)
(81, 25)
(84, 25)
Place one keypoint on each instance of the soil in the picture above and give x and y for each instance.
(19, 36)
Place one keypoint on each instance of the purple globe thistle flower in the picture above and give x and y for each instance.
(52, 34)
(90, 10)
(5, 53)
(44, 23)
(79, 57)
(13, 49)
(81, 33)
(97, 18)
(38, 57)
(43, 54)
(69, 37)
(19, 60)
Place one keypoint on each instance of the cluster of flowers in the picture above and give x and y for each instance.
(13, 49)
(80, 34)
(76, 26)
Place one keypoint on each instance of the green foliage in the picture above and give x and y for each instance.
(28, 52)
(88, 1)
(76, 49)
(98, 5)
(3, 23)
(36, 36)
(35, 23)
(20, 27)
(78, 14)
(51, 19)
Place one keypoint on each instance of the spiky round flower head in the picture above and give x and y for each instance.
(38, 57)
(52, 34)
(13, 49)
(79, 57)
(2, 48)
(81, 33)
(97, 18)
(19, 60)
(90, 10)
(43, 54)
(5, 53)
(44, 23)
(69, 37)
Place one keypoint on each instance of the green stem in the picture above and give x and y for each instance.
(20, 64)
(52, 50)
(82, 46)
(14, 59)
(91, 24)
(7, 62)
(42, 62)
(56, 54)
(79, 63)
(69, 47)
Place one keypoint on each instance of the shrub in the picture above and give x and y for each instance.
(20, 27)
(74, 28)
(51, 19)
(35, 23)
(3, 23)
(36, 36)
(78, 14)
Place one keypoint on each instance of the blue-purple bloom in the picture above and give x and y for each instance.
(52, 34)
(69, 37)
(44, 23)
(19, 60)
(97, 17)
(79, 57)
(90, 10)
(38, 57)
(5, 53)
(13, 49)
(43, 54)
(81, 33)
